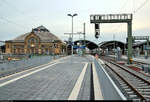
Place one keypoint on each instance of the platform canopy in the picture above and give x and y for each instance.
(111, 44)
(89, 44)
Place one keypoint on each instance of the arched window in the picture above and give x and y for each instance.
(32, 42)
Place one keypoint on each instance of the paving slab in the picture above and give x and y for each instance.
(53, 83)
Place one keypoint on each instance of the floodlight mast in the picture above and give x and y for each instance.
(72, 28)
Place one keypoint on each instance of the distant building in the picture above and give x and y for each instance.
(2, 47)
(39, 41)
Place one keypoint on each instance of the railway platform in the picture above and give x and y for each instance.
(67, 78)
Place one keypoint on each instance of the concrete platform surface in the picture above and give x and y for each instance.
(67, 78)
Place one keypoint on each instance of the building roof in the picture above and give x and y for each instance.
(89, 44)
(41, 28)
(107, 44)
(44, 34)
(140, 43)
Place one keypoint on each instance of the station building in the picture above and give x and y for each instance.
(2, 47)
(39, 41)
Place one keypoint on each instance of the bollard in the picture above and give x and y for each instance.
(148, 69)
(131, 60)
(142, 67)
(96, 56)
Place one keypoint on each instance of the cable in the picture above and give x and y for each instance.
(9, 21)
(142, 5)
(134, 11)
(14, 7)
(121, 8)
(125, 3)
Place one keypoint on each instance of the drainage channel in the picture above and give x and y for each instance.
(92, 85)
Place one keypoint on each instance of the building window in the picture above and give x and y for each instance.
(55, 46)
(32, 42)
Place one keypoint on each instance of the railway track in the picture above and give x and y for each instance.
(135, 85)
(135, 63)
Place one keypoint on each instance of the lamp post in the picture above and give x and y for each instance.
(72, 28)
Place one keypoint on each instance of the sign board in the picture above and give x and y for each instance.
(140, 37)
(82, 47)
(77, 47)
(146, 47)
(110, 18)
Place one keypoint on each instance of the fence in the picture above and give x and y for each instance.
(9, 67)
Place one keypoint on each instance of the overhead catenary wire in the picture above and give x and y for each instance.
(9, 21)
(141, 6)
(13, 7)
(120, 10)
(134, 10)
(124, 4)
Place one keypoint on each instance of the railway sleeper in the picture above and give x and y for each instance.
(125, 87)
(137, 100)
(122, 84)
(138, 84)
(127, 90)
(118, 79)
(145, 87)
(147, 96)
(142, 89)
(131, 92)
(144, 84)
(133, 78)
(145, 93)
(133, 96)
(130, 78)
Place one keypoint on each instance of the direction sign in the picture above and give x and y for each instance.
(82, 47)
(146, 47)
(77, 47)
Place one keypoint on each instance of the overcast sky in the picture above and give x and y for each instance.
(20, 16)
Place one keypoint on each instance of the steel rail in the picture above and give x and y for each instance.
(134, 89)
(137, 62)
(131, 73)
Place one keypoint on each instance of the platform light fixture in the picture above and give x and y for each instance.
(72, 28)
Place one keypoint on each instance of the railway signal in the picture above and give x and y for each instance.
(115, 18)
(97, 31)
(96, 35)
